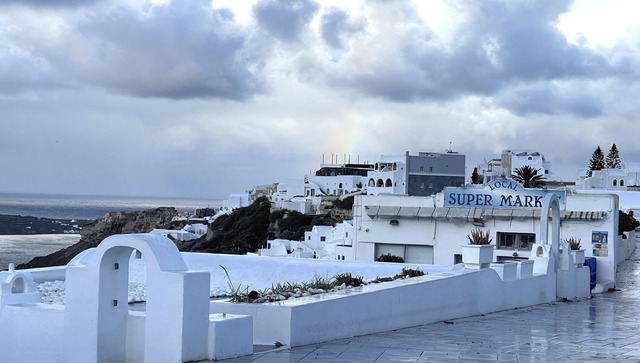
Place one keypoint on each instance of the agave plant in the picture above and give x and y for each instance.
(574, 243)
(479, 237)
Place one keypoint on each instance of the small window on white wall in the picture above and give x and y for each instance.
(615, 182)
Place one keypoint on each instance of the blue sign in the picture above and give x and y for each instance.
(599, 237)
(499, 193)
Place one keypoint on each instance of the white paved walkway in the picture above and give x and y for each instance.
(605, 328)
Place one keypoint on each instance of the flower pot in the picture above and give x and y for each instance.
(476, 257)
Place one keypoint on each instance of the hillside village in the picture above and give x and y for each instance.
(369, 205)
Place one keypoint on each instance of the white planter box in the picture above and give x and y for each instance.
(578, 257)
(476, 257)
(525, 269)
(506, 270)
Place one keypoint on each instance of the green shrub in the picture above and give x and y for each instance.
(348, 280)
(409, 272)
(387, 257)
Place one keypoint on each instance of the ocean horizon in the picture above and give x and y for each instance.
(22, 248)
(59, 206)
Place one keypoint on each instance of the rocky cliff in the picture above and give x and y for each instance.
(113, 223)
(247, 229)
(244, 230)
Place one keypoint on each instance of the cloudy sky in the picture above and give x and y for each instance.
(205, 98)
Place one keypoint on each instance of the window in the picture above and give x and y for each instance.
(422, 185)
(323, 238)
(422, 168)
(430, 168)
(615, 182)
(346, 234)
(340, 185)
(457, 259)
(513, 241)
(621, 182)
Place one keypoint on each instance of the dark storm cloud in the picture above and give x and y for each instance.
(50, 3)
(548, 98)
(284, 19)
(336, 27)
(499, 45)
(183, 50)
(20, 73)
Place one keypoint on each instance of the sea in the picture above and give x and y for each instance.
(21, 249)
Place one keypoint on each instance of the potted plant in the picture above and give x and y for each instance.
(576, 250)
(479, 252)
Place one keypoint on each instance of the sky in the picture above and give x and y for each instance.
(201, 98)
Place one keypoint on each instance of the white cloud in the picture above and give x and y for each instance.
(210, 97)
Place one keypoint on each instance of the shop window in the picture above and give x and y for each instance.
(513, 241)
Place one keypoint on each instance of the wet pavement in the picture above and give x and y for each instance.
(605, 328)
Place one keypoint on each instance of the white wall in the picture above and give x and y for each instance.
(31, 333)
(391, 305)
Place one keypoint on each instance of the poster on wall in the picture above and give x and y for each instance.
(599, 241)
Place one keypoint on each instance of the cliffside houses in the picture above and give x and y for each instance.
(627, 178)
(187, 233)
(416, 207)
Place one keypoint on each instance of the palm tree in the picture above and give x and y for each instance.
(528, 177)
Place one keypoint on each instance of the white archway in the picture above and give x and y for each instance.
(97, 303)
(550, 203)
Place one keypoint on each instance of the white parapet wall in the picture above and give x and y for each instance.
(31, 333)
(391, 305)
(96, 326)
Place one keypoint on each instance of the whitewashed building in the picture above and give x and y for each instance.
(236, 200)
(512, 159)
(625, 178)
(424, 174)
(432, 229)
(322, 242)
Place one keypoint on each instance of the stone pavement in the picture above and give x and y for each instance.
(605, 328)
